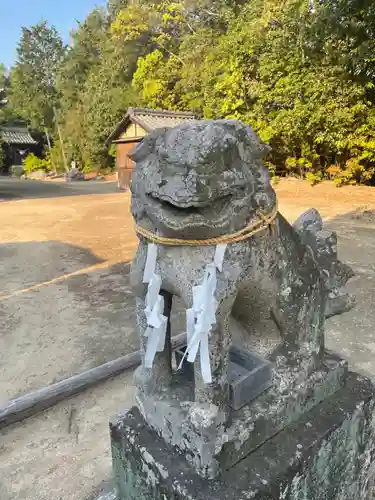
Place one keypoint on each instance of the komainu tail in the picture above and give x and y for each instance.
(335, 274)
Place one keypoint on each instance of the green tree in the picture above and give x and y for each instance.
(7, 114)
(95, 85)
(3, 102)
(5, 111)
(3, 84)
(33, 77)
(2, 154)
(301, 72)
(3, 93)
(268, 66)
(81, 56)
(114, 7)
(344, 31)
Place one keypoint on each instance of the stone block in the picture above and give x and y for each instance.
(212, 445)
(249, 376)
(328, 454)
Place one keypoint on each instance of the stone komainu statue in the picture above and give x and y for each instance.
(271, 291)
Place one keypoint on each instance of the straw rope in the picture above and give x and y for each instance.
(264, 221)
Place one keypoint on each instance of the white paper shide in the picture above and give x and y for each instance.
(199, 319)
(156, 321)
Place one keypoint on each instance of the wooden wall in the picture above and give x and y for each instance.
(124, 164)
(133, 130)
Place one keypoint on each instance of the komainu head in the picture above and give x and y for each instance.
(200, 179)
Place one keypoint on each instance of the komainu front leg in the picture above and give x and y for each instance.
(219, 342)
(159, 375)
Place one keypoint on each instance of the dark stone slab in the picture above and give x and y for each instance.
(248, 374)
(327, 455)
(294, 392)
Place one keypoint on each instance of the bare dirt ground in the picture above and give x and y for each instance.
(71, 322)
(66, 306)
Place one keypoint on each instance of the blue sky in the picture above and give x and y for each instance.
(17, 13)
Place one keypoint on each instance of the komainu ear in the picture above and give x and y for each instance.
(146, 146)
(259, 148)
(252, 143)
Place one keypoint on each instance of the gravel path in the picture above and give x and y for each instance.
(66, 306)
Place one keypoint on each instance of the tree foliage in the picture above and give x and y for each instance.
(3, 85)
(33, 78)
(34, 164)
(287, 68)
(95, 84)
(2, 154)
(301, 72)
(7, 115)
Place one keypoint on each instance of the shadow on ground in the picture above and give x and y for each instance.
(353, 334)
(69, 324)
(26, 264)
(16, 189)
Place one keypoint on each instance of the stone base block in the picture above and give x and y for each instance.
(329, 454)
(211, 444)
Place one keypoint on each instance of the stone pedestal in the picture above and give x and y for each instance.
(327, 454)
(211, 445)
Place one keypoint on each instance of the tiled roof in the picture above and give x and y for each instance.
(16, 135)
(150, 119)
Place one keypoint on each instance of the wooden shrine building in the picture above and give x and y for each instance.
(17, 143)
(137, 123)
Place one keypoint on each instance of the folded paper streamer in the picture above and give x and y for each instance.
(202, 316)
(199, 319)
(156, 321)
